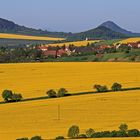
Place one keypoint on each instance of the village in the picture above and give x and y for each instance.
(68, 50)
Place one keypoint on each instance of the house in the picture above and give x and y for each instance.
(54, 52)
(101, 49)
(134, 45)
(43, 48)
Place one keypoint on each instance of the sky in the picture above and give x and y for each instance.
(72, 15)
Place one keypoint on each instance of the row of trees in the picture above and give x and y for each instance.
(74, 132)
(9, 96)
(114, 87)
(33, 138)
(53, 94)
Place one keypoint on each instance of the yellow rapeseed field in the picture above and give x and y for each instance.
(129, 40)
(27, 37)
(98, 111)
(77, 43)
(34, 79)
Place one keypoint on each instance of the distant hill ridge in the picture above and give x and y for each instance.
(114, 27)
(107, 30)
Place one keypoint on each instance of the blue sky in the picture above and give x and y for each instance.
(72, 15)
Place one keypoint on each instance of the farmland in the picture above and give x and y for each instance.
(76, 43)
(129, 40)
(27, 37)
(34, 79)
(98, 111)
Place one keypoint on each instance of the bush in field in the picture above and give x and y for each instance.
(113, 133)
(105, 134)
(89, 132)
(16, 97)
(96, 135)
(116, 87)
(133, 133)
(73, 131)
(51, 94)
(59, 138)
(62, 92)
(7, 95)
(100, 88)
(121, 134)
(22, 139)
(36, 138)
(123, 127)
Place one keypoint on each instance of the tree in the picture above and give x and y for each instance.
(73, 131)
(36, 138)
(121, 134)
(62, 92)
(116, 87)
(100, 88)
(16, 97)
(133, 133)
(51, 93)
(123, 127)
(7, 95)
(89, 132)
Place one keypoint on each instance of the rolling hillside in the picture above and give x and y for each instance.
(114, 27)
(100, 32)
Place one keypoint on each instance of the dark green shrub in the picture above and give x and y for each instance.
(16, 97)
(96, 135)
(123, 127)
(51, 93)
(100, 88)
(7, 95)
(133, 133)
(121, 134)
(116, 87)
(73, 131)
(105, 134)
(22, 139)
(62, 92)
(36, 138)
(113, 133)
(89, 132)
(59, 138)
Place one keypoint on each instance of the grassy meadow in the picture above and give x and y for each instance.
(27, 37)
